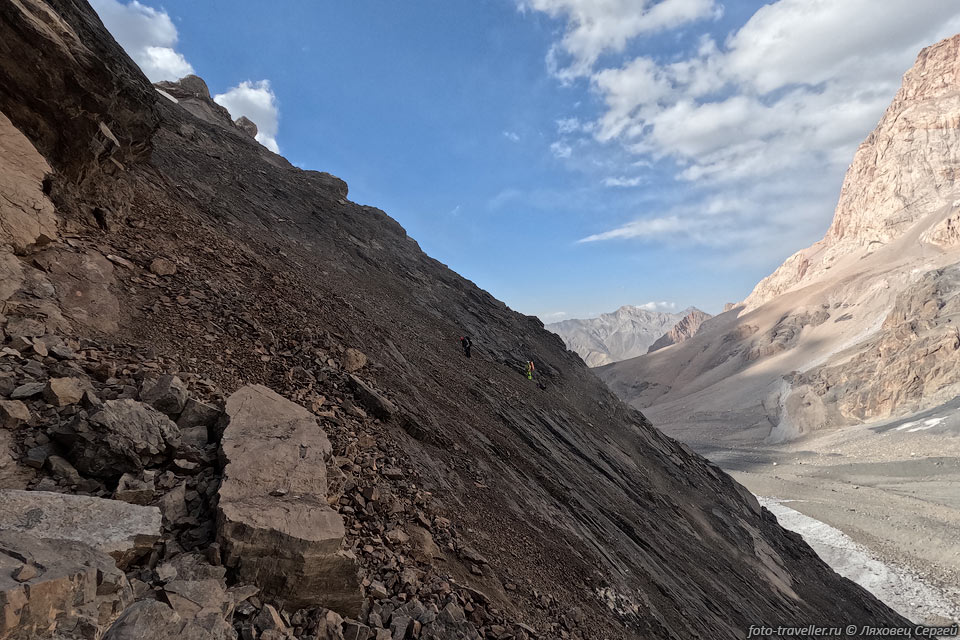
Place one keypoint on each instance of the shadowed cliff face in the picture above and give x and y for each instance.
(564, 490)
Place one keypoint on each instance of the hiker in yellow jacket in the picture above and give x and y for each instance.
(530, 370)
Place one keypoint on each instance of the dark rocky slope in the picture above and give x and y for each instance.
(560, 508)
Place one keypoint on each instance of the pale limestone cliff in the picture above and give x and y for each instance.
(904, 170)
(860, 326)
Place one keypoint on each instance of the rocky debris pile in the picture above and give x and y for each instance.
(124, 466)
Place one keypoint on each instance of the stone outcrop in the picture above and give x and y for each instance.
(246, 125)
(192, 94)
(87, 301)
(123, 531)
(911, 364)
(274, 524)
(372, 400)
(683, 330)
(104, 90)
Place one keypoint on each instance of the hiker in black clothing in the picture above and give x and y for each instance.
(466, 344)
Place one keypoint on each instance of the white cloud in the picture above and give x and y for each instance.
(623, 181)
(658, 306)
(561, 149)
(257, 101)
(554, 316)
(511, 136)
(147, 35)
(760, 126)
(644, 228)
(568, 125)
(598, 26)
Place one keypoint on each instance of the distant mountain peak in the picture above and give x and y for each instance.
(619, 335)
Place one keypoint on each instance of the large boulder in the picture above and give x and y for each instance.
(123, 531)
(274, 524)
(88, 300)
(125, 436)
(57, 588)
(246, 125)
(197, 414)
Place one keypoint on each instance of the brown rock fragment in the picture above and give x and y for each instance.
(354, 360)
(13, 413)
(163, 267)
(61, 392)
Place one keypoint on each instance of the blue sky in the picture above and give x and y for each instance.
(569, 156)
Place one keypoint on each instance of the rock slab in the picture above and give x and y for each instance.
(274, 524)
(123, 531)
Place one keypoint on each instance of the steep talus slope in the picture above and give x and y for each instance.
(611, 337)
(185, 239)
(857, 327)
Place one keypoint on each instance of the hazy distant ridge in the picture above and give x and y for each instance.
(611, 337)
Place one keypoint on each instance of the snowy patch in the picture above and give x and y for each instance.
(167, 96)
(899, 589)
(927, 424)
(912, 426)
(905, 425)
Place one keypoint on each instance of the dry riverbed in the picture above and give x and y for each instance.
(892, 489)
